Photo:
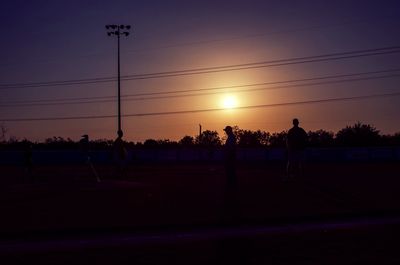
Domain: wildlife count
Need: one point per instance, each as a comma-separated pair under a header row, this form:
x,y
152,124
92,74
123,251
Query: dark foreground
x,y
175,214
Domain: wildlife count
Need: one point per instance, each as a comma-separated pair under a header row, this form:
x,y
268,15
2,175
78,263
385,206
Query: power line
x,y
168,95
266,88
311,59
216,69
225,87
207,89
205,42
306,102
255,35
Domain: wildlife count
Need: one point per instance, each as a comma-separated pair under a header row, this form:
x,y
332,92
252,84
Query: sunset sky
x,y
259,61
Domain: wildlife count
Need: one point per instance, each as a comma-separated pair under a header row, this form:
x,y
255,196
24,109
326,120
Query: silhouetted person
x,y
120,155
296,143
230,170
84,144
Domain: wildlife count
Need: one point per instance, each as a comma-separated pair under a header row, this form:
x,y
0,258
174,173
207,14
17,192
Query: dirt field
x,y
65,204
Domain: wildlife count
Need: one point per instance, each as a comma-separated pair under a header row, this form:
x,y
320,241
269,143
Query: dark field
x,y
174,214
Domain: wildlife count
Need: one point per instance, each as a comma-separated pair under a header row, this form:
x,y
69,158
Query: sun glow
x,y
229,102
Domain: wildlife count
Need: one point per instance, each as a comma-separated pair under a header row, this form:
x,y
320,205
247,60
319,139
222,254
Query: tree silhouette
x,y
390,140
320,138
3,132
150,143
208,138
60,143
166,143
187,141
395,139
252,138
278,139
358,135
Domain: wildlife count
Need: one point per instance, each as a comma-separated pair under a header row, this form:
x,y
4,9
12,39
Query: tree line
x,y
356,135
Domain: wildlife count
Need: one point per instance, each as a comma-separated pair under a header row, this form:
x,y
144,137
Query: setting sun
x,y
229,102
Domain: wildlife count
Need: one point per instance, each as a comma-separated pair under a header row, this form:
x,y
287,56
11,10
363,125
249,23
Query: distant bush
x,y
277,139
208,138
320,138
356,135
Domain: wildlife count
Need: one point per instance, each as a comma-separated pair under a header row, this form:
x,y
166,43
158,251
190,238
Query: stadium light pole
x,y
118,30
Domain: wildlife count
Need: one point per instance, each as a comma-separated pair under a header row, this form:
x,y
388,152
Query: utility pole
x,y
118,30
200,133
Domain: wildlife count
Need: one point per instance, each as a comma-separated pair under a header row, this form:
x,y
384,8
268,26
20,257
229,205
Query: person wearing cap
x,y
230,145
120,155
84,143
230,170
296,142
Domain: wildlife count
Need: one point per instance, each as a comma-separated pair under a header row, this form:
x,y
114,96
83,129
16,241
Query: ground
x,y
174,213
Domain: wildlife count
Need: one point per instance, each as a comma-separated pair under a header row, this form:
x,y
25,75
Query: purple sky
x,y
47,41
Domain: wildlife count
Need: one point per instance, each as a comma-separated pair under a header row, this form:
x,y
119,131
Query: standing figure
x,y
230,170
120,155
296,143
230,157
84,143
